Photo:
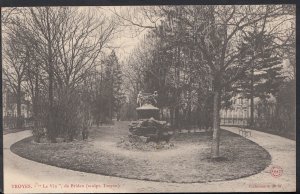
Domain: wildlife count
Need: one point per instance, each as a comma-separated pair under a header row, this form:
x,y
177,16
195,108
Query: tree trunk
x,y
111,104
172,116
199,108
177,120
19,104
118,114
50,89
199,118
176,117
101,109
162,114
50,96
189,116
35,102
252,99
216,125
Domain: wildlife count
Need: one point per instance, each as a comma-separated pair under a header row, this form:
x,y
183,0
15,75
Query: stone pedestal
x,y
148,111
151,129
148,126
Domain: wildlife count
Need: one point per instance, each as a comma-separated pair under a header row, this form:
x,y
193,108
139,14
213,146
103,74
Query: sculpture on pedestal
x,y
146,98
148,124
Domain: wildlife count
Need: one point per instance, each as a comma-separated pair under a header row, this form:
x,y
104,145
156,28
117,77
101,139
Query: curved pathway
x,y
26,176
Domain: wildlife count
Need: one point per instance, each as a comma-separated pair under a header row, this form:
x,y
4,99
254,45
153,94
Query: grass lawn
x,y
187,162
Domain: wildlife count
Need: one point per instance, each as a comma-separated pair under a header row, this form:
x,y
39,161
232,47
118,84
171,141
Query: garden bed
x,y
189,160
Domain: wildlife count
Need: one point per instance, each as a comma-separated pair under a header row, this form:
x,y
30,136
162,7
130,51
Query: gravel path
x,y
25,176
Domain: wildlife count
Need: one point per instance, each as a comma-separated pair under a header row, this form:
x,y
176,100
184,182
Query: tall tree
x,y
15,59
64,46
218,42
113,84
217,31
264,76
44,24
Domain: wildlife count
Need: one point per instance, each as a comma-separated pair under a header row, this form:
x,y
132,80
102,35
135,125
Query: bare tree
x,y
216,32
136,19
79,46
44,25
7,13
219,45
63,45
14,70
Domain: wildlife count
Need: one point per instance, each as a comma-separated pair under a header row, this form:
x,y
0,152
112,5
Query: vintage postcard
x,y
160,98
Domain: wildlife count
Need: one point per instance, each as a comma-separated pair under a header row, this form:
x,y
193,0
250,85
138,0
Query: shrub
x,y
38,133
280,116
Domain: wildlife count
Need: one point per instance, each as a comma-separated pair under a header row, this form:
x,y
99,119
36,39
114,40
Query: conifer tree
x,y
264,76
114,96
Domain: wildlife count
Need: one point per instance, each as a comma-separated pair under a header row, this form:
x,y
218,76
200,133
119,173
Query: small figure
x,y
147,98
155,96
139,99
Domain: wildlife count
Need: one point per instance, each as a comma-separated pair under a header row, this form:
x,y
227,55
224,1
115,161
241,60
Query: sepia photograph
x,y
160,98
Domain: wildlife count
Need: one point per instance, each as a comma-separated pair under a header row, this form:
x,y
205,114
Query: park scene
x,y
149,98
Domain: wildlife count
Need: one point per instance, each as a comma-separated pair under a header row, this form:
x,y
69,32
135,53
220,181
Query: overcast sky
x,y
126,39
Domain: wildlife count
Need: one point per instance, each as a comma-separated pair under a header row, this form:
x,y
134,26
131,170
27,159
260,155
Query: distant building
x,y
239,112
9,108
12,110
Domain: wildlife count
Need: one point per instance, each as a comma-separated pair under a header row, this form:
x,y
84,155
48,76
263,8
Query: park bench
x,y
244,132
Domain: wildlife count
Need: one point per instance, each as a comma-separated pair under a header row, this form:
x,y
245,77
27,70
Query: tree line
x,y
196,57
60,58
199,57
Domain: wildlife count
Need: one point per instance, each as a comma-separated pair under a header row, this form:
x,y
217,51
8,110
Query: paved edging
x,y
22,171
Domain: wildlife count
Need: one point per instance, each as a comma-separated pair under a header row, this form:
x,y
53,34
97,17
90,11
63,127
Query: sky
x,y
126,38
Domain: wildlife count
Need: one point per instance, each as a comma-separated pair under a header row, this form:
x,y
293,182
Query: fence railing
x,y
234,121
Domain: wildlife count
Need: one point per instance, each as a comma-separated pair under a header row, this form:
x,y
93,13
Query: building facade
x,y
9,109
238,114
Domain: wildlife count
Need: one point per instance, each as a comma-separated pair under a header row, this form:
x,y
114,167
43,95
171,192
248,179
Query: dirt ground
x,y
188,162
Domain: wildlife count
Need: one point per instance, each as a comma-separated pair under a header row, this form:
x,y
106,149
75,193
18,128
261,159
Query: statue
x,y
155,96
139,99
146,98
148,126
